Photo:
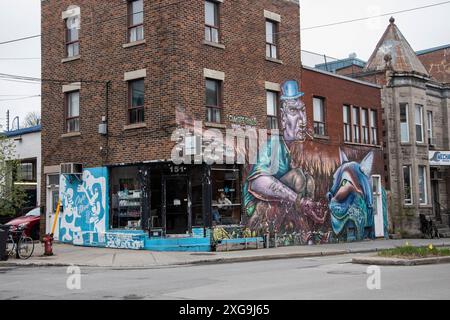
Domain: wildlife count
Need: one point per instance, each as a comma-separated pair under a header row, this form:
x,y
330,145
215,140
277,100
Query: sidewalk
x,y
66,255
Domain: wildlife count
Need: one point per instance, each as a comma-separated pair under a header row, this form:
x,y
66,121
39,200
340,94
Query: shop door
x,y
378,207
52,203
436,202
177,205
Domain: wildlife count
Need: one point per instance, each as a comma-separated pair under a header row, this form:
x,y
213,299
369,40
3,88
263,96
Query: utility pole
x,y
7,120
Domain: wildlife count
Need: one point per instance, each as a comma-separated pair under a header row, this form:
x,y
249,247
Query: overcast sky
x,y
424,29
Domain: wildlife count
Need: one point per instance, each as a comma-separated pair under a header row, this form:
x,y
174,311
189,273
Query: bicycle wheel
x,y
25,248
10,247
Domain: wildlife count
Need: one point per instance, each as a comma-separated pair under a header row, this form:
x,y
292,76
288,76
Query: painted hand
x,y
317,211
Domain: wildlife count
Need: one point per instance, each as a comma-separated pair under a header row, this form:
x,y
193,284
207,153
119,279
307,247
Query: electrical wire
x,y
23,98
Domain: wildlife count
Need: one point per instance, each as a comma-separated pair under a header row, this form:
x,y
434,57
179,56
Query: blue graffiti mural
x,y
84,216
351,199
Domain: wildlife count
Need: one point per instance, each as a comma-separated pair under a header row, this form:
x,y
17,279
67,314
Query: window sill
x,y
318,136
134,126
68,59
274,60
134,44
71,134
215,125
363,145
214,44
405,144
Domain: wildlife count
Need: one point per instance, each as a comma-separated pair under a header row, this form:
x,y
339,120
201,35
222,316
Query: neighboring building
x,y
416,124
344,67
120,92
437,62
27,143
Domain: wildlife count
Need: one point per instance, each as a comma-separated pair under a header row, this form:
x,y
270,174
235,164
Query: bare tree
x,y
31,119
12,197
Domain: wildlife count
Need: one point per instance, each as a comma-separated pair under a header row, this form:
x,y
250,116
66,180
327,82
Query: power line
x,y
7,59
377,16
20,39
23,98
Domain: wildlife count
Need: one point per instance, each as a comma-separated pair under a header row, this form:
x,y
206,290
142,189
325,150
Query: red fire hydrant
x,y
48,245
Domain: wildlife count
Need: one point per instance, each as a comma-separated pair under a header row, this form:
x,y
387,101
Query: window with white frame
x,y
365,126
347,124
373,127
430,128
404,122
419,123
422,174
407,183
356,128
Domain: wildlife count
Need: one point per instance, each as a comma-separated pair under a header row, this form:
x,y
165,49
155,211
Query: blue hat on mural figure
x,y
290,90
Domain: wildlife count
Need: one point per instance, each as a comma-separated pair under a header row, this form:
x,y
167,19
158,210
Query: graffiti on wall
x,y
85,206
306,193
124,241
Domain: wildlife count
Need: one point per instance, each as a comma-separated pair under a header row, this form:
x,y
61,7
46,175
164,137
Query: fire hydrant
x,y
48,245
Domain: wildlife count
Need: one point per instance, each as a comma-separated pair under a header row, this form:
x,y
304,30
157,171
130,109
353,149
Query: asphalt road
x,y
315,278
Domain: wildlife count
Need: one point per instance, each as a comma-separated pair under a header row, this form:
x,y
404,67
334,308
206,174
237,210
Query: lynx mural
x,y
304,192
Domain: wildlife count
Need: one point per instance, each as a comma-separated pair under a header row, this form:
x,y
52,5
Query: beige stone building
x,y
416,122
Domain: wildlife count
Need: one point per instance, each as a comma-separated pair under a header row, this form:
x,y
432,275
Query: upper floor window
x,y
136,101
72,40
271,39
356,128
419,123
212,21
430,128
272,109
365,125
27,171
73,111
319,116
404,122
135,20
373,127
213,100
347,124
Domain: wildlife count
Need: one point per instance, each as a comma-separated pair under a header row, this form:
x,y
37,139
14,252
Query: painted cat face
x,y
350,180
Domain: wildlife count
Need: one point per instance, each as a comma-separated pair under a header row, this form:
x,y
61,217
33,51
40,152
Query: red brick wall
x,y
174,56
437,64
337,93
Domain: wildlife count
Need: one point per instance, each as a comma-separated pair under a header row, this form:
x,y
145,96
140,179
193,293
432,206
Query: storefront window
x,y
226,195
126,200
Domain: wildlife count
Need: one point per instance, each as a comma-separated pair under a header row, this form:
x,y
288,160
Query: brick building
x,y
130,87
415,100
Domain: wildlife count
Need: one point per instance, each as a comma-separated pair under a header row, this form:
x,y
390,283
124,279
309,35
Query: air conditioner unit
x,y
72,169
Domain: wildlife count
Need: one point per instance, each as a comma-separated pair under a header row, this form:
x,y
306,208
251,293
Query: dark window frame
x,y
209,28
130,107
66,111
273,44
70,43
318,125
365,129
219,106
130,26
271,120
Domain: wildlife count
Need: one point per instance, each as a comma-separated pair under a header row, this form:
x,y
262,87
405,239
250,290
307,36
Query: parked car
x,y
30,222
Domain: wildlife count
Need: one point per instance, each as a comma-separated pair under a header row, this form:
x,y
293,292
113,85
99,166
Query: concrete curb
x,y
380,261
221,260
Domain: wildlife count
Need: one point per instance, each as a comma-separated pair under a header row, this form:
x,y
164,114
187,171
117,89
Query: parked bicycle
x,y
428,228
19,245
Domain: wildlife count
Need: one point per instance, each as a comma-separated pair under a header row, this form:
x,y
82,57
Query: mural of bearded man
x,y
279,197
